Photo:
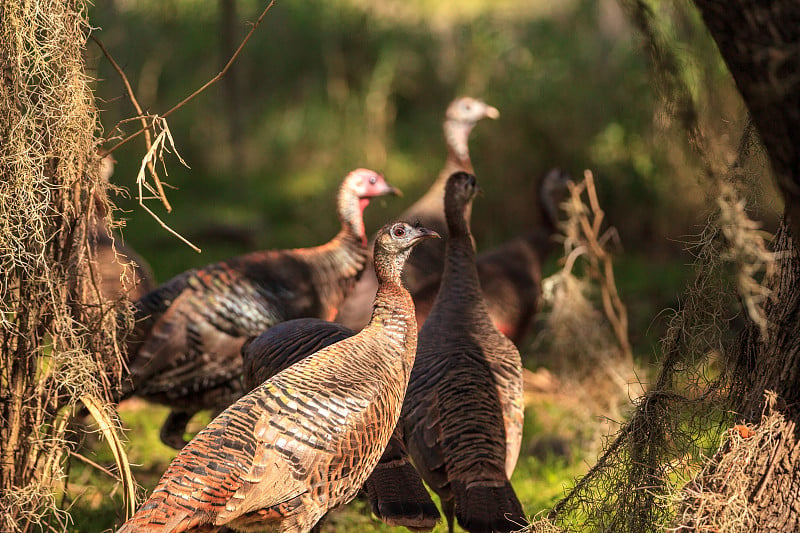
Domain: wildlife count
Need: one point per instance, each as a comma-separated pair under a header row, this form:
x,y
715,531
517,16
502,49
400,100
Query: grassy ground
x,y
551,458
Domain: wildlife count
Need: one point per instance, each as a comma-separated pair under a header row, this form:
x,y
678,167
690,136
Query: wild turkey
x,y
120,271
511,274
395,490
305,440
185,351
463,414
461,116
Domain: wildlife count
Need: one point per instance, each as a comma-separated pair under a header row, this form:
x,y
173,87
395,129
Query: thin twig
x,y
572,257
94,465
208,84
147,135
588,239
155,151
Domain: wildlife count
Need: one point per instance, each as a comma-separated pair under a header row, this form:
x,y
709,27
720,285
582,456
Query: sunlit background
x,y
327,86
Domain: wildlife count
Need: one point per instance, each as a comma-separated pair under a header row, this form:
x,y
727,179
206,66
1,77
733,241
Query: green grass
x,y
97,505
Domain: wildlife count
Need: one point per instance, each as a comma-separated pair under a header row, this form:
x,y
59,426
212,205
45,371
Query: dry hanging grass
x,y
631,488
725,496
674,424
747,250
58,337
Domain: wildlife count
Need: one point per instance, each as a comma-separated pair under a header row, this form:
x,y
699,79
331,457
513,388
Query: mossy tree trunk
x,y
760,42
57,336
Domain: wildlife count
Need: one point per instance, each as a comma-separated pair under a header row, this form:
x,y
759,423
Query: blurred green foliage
x,y
324,87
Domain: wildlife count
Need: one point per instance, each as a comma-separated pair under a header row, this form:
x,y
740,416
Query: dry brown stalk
x,y
586,238
147,134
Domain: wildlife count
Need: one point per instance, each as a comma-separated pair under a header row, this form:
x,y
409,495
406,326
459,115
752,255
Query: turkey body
x,y
463,410
510,275
305,440
185,349
121,272
395,490
461,116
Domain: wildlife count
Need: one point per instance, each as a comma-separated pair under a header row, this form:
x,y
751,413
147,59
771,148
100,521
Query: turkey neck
x,y
393,315
456,135
460,275
350,209
340,261
349,247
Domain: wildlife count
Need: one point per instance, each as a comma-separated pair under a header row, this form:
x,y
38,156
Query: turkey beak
x,y
492,112
425,233
387,189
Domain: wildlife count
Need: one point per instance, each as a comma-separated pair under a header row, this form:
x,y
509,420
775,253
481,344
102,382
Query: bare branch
x,y
208,84
147,135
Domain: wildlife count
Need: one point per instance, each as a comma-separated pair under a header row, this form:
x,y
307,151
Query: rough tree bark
x,y
760,42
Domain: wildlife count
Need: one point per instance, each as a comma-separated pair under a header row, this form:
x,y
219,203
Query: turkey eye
x,y
373,180
399,231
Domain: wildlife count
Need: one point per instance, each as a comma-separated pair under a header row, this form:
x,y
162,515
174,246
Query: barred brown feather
x,y
185,350
305,440
395,490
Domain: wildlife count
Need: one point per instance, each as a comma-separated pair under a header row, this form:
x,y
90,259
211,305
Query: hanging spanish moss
x,y
58,337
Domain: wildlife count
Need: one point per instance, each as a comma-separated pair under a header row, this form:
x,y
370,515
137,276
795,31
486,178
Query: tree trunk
x,y
759,43
56,333
772,364
753,482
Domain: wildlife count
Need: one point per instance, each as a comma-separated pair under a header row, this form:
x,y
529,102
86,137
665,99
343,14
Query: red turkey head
x,y
367,184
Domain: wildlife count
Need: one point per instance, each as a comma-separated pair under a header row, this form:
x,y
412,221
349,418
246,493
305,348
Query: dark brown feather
x,y
462,414
185,350
510,275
